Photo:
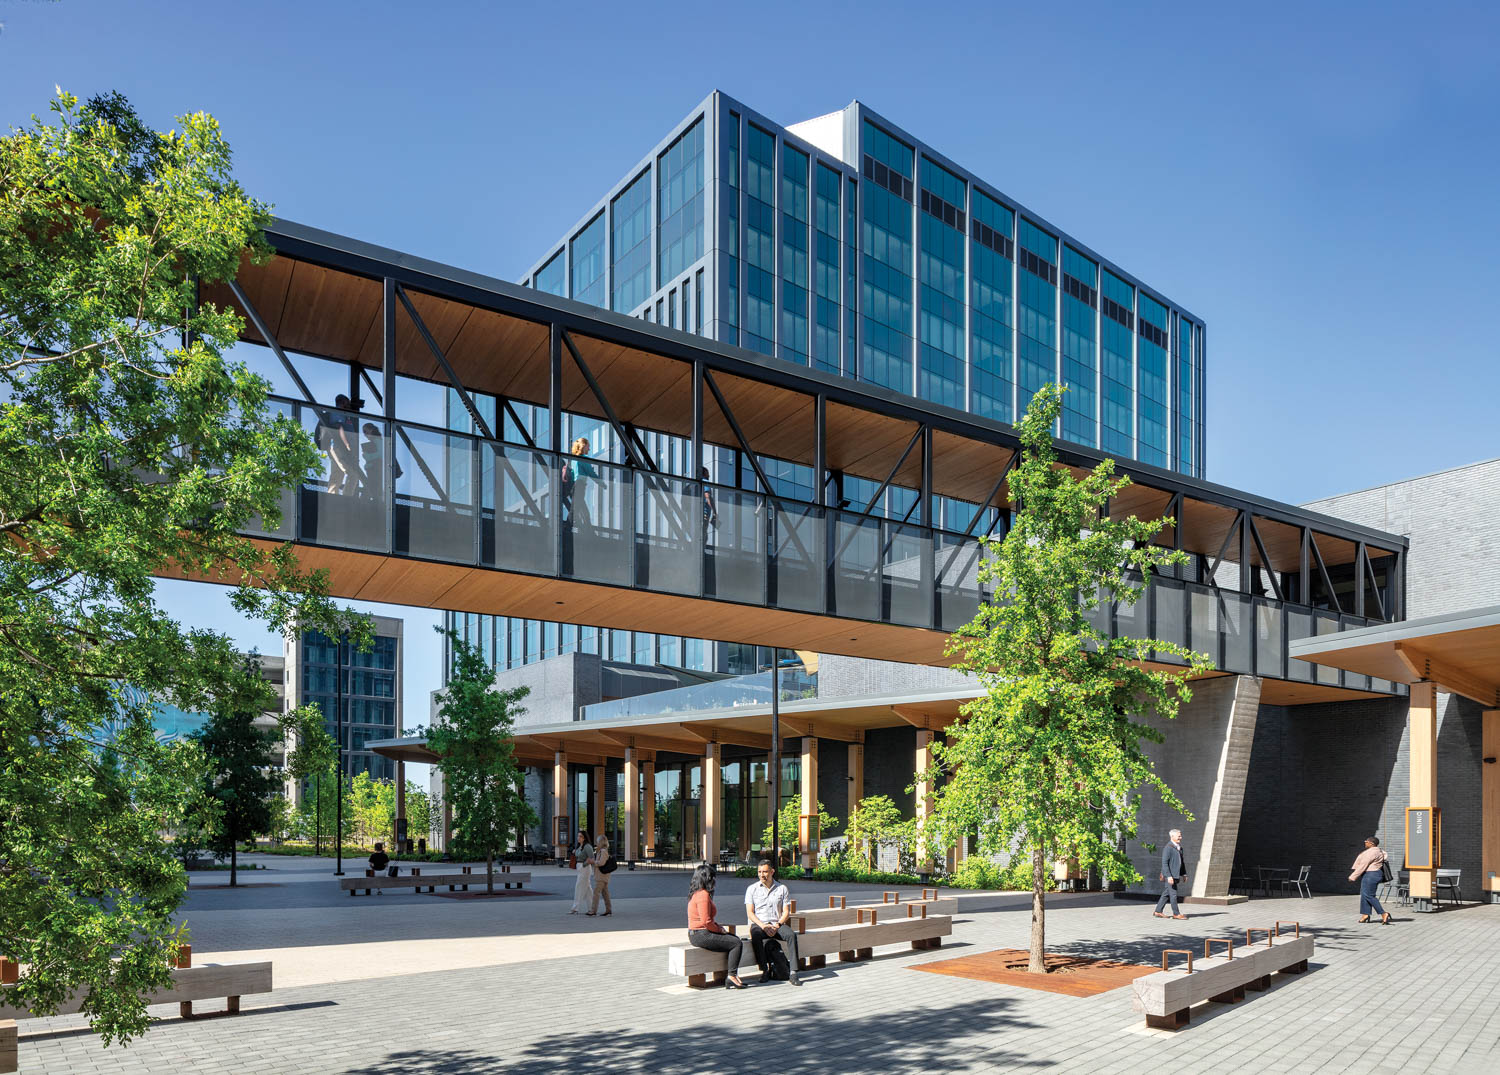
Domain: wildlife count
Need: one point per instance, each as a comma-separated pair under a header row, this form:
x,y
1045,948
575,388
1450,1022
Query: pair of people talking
x,y
768,906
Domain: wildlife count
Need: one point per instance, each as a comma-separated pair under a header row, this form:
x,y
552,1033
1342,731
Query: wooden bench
x,y
189,983
1167,996
814,946
416,879
846,915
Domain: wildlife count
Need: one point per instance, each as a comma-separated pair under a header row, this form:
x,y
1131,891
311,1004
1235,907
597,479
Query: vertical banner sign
x,y
1419,838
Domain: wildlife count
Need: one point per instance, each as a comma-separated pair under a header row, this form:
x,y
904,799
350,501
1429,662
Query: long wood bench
x,y
851,915
1167,996
418,880
849,942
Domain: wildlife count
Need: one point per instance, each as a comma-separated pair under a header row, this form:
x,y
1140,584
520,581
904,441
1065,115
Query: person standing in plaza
x,y
583,851
768,905
603,865
705,932
1173,874
1369,872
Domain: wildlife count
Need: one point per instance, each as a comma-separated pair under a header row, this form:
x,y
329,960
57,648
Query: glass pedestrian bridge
x,y
511,524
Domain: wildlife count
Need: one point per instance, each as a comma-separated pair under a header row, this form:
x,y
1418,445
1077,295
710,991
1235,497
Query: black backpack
x,y
778,967
610,865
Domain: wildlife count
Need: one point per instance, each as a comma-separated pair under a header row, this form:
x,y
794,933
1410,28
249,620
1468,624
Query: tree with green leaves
x,y
472,736
875,820
129,448
1050,758
312,759
240,778
422,809
371,805
791,832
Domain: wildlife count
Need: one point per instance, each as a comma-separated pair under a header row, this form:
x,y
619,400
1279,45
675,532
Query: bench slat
x,y
189,983
686,960
1164,992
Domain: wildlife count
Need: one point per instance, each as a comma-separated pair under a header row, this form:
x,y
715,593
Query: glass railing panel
x,y
857,563
598,533
1203,621
734,547
794,684
668,520
1236,625
1270,640
259,526
1171,615
957,564
343,502
1299,624
1328,624
906,574
796,565
1134,621
1101,615
519,528
436,476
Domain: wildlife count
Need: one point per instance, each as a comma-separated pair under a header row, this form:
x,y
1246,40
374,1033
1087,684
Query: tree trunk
x,y
234,860
1038,962
317,819
490,871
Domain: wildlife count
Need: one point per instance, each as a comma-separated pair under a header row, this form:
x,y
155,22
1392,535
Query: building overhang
x,y
1460,652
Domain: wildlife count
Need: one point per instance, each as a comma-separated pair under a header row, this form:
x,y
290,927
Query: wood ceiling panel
x,y
502,355
266,288
967,469
1286,692
1205,526
1283,544
443,318
1334,550
328,313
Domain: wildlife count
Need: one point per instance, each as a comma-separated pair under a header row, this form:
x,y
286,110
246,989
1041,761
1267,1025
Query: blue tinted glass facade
x,y
553,276
1080,338
588,263
942,224
886,242
850,246
679,204
795,240
992,374
630,236
1151,386
1117,367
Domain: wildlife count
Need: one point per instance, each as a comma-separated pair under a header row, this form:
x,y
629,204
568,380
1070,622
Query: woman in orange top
x,y
704,932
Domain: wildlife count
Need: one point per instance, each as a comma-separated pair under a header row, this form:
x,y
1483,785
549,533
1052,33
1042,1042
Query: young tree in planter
x,y
791,815
313,758
129,447
874,820
473,738
239,777
1050,758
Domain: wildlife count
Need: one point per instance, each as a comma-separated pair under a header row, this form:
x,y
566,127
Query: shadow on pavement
x,y
829,1041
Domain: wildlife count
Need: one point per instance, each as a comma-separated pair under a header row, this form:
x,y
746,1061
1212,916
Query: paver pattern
x,y
410,984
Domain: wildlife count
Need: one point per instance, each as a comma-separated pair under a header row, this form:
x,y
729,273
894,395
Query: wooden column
x,y
810,794
596,807
960,849
648,808
711,796
400,802
632,848
856,775
560,805
1489,781
924,787
1422,723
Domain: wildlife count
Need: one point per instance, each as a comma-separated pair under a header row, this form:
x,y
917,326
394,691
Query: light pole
x,y
338,834
775,760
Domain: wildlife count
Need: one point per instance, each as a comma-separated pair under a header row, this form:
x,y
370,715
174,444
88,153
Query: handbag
x,y
394,871
610,865
1385,871
572,862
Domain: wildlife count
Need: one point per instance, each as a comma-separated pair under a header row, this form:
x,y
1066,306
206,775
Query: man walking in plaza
x,y
1173,874
768,905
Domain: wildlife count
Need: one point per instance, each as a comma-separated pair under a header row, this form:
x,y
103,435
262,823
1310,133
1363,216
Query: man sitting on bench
x,y
379,860
768,905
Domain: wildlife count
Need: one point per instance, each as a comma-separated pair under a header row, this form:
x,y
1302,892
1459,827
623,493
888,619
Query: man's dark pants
x,y
784,934
1168,891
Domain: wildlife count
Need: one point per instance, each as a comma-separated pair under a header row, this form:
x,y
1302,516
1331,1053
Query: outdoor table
x,y
1270,875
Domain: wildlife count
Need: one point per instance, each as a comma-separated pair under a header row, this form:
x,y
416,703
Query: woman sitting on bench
x,y
704,932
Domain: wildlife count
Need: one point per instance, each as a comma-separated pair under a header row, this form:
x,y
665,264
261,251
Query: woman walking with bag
x,y
604,865
583,851
1369,871
705,932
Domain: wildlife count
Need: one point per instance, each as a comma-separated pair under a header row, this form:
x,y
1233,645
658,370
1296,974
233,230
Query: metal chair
x,y
1449,881
1299,883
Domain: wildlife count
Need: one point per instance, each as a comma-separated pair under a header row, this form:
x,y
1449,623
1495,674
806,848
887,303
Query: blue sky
x,y
1316,181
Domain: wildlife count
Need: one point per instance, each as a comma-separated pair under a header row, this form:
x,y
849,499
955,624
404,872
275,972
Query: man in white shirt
x,y
768,905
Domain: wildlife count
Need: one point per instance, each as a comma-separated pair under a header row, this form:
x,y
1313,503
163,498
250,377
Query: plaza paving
x,y
409,983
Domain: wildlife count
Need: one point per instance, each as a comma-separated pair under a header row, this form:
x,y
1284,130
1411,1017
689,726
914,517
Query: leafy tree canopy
x,y
1050,757
129,447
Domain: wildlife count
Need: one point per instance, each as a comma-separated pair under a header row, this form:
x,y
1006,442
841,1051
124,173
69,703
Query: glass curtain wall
x,y
1079,338
588,262
886,242
825,353
630,234
794,249
1117,372
1151,389
992,360
679,205
1187,419
553,276
760,241
1037,361
943,222
729,311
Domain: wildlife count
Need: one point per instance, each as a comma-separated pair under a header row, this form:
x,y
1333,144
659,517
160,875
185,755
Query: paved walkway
x,y
416,984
